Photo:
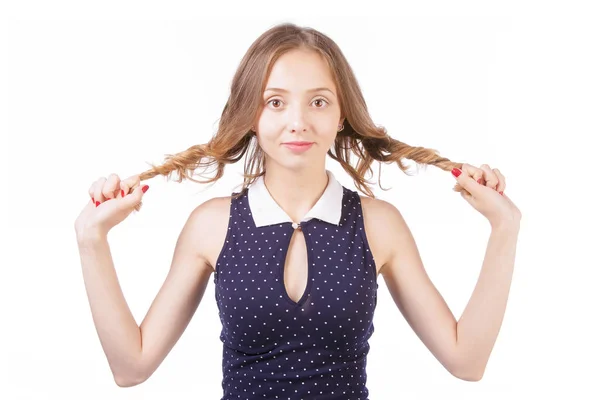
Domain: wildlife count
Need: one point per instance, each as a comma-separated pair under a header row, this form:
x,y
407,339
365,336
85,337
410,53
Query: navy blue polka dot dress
x,y
274,347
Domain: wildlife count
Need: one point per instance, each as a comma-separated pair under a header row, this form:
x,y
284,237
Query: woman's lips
x,y
298,147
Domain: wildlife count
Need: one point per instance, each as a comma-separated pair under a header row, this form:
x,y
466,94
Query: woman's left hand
x,y
483,189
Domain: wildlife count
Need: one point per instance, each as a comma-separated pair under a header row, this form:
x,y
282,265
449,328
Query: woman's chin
x,y
296,163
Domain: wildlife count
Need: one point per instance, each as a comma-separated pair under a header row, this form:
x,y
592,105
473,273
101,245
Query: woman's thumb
x,y
134,198
465,181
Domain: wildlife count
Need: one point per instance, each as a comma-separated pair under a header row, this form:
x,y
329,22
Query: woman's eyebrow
x,y
308,91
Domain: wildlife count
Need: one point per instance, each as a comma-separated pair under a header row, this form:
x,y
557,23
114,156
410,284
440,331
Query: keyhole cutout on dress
x,y
295,270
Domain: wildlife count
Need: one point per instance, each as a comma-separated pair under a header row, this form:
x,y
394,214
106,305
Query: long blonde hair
x,y
235,139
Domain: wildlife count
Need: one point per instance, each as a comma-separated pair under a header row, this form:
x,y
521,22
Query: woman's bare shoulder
x,y
210,221
378,206
378,216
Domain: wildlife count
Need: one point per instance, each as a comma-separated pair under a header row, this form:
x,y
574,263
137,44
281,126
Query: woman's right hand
x,y
111,201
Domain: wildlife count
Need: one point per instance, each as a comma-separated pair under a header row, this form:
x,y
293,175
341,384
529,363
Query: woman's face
x,y
300,104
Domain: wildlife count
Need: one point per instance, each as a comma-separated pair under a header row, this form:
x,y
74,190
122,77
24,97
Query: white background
x,y
100,87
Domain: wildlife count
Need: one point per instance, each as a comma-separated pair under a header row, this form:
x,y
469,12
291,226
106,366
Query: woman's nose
x,y
297,119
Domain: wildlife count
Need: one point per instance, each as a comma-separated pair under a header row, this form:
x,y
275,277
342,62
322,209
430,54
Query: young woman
x,y
296,255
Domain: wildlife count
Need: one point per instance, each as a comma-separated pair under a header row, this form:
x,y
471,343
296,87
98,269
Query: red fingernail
x,y
479,180
97,203
122,193
456,172
145,188
502,193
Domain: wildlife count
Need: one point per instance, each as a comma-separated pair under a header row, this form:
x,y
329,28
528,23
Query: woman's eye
x,y
322,101
271,101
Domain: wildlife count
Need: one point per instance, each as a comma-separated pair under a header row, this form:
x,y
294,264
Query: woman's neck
x,y
296,191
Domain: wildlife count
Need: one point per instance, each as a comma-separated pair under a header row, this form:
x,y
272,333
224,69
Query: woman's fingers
x,y
111,186
127,185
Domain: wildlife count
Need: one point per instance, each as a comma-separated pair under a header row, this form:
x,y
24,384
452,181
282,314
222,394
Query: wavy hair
x,y
234,138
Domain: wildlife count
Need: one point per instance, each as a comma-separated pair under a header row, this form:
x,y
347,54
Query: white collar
x,y
265,211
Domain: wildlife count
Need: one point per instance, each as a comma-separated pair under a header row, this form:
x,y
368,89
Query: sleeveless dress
x,y
274,347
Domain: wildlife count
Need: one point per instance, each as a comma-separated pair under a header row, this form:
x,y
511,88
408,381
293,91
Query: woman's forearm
x,y
480,323
118,331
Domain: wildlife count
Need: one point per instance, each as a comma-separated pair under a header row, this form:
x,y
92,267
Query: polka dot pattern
x,y
276,348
